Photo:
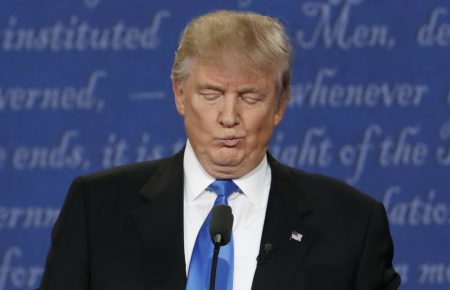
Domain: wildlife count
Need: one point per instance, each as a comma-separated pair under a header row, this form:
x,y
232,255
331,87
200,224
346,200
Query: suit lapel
x,y
285,210
160,223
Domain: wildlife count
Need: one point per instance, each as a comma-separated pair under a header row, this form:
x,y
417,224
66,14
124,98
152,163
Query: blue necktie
x,y
200,266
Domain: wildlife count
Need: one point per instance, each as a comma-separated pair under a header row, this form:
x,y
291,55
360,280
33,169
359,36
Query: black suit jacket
x,y
123,229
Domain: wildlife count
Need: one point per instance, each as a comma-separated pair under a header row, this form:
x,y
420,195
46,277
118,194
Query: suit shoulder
x,y
133,171
320,187
126,178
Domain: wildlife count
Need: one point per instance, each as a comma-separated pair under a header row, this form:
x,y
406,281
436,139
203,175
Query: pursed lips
x,y
230,140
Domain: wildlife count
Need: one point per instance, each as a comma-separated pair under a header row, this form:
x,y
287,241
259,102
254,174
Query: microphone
x,y
264,256
220,231
221,224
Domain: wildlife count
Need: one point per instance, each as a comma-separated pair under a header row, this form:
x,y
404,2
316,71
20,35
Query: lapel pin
x,y
296,236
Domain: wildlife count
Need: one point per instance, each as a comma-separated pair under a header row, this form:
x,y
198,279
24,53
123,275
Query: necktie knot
x,y
223,188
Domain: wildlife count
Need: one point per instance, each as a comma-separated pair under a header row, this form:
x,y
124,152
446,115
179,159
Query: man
x,y
138,226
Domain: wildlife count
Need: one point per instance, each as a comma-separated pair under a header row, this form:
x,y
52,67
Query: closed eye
x,y
251,98
210,96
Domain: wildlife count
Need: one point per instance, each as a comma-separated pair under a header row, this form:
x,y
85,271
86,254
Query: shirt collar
x,y
253,184
256,183
196,179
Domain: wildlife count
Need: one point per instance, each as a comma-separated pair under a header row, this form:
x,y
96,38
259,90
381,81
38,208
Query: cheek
x,y
192,110
200,118
261,127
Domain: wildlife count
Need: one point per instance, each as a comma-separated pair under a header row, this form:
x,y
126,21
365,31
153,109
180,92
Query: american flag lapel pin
x,y
296,236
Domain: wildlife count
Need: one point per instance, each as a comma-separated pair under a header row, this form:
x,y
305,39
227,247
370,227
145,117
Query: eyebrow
x,y
250,89
255,90
210,87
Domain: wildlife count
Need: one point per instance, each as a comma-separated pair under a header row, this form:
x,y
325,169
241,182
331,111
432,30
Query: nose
x,y
229,116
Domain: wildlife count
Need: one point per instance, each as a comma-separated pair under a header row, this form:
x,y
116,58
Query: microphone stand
x,y
212,283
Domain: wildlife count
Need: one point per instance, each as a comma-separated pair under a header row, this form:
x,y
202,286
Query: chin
x,y
228,158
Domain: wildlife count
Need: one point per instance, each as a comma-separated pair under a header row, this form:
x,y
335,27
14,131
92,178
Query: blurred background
x,y
84,86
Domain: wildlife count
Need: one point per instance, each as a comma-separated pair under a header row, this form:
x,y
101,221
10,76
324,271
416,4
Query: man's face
x,y
229,111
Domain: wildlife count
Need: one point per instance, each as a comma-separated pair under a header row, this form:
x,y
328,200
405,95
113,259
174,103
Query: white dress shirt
x,y
249,209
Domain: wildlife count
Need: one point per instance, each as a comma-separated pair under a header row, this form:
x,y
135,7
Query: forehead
x,y
231,71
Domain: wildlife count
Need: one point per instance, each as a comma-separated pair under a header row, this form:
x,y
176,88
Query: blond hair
x,y
259,39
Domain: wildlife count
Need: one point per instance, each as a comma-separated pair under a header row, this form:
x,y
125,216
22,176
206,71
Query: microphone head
x,y
221,224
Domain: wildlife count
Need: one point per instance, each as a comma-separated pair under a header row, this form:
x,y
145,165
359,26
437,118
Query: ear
x,y
279,113
178,92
